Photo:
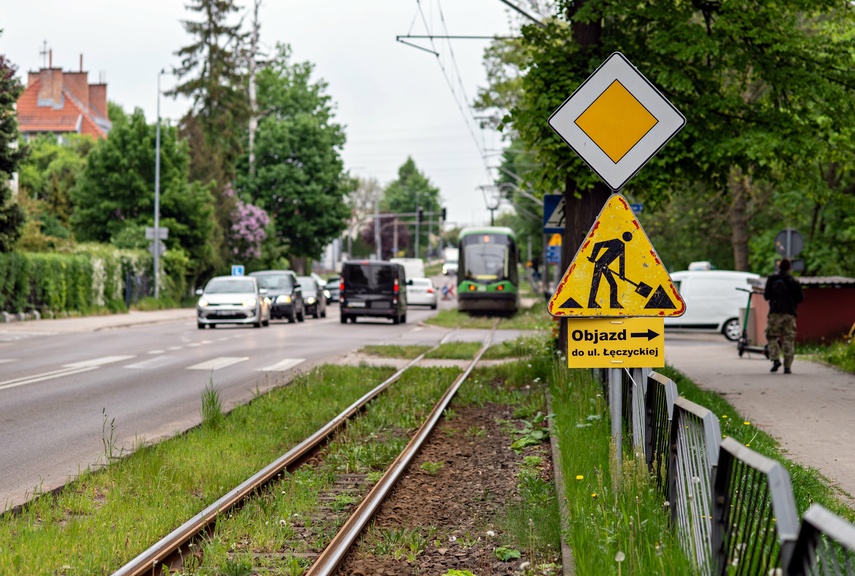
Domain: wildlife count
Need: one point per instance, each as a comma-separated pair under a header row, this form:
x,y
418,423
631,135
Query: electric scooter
x,y
742,344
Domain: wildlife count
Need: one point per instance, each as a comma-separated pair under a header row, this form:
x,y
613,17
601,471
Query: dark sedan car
x,y
285,294
313,297
333,285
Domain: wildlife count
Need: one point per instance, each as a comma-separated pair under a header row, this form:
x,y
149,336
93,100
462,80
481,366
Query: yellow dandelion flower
x,y
724,417
594,495
580,477
747,423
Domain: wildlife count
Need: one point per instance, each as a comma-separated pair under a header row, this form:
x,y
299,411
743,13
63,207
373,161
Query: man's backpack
x,y
781,292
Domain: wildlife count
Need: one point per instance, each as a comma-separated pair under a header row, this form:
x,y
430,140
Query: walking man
x,y
784,294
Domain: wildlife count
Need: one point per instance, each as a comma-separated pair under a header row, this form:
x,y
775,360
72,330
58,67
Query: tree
x,y
755,93
11,214
116,192
213,77
300,179
51,171
409,192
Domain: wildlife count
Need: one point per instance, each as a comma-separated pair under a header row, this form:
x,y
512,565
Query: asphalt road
x,y
69,386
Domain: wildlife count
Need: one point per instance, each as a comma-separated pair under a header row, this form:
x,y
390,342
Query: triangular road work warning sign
x,y
616,272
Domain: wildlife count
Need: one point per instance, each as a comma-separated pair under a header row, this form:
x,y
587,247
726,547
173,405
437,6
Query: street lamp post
x,y
156,250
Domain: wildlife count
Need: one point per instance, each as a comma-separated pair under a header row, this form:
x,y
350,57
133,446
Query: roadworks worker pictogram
x,y
618,251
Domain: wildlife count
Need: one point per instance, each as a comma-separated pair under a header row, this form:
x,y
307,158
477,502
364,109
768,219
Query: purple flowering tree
x,y
248,230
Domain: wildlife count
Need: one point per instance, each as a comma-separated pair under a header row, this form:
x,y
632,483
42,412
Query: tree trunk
x,y
740,186
581,212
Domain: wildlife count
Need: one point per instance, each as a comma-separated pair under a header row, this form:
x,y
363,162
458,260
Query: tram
x,y
487,272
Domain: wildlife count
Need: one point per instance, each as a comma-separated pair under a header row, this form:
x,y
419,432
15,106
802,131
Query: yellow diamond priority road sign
x,y
616,121
616,272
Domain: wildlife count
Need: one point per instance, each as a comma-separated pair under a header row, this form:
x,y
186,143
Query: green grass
x,y
105,518
389,351
840,354
533,318
617,522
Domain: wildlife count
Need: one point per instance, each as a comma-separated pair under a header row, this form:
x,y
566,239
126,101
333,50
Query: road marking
x,y
155,362
155,351
98,361
193,345
217,363
174,348
6,360
66,370
284,365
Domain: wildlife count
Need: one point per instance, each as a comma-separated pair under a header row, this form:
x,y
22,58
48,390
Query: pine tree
x,y
213,76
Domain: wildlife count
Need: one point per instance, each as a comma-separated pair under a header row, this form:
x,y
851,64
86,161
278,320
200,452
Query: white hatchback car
x,y
232,300
421,292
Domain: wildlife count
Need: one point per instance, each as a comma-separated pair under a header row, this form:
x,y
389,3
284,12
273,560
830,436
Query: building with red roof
x,y
61,102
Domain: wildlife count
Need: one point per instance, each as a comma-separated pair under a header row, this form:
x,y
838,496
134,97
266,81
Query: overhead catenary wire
x,y
458,91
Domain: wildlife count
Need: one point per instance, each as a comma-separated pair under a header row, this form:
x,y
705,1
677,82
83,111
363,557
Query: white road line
x,y
66,370
6,360
155,351
286,364
193,345
174,348
218,363
155,362
98,361
46,376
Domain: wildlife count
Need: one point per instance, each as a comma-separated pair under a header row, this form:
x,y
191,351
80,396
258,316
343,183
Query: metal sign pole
x,y
615,404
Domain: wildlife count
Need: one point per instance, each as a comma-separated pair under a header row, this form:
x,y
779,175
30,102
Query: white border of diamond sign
x,y
669,120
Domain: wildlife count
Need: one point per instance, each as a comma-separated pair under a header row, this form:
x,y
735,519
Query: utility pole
x,y
377,228
156,250
253,101
395,237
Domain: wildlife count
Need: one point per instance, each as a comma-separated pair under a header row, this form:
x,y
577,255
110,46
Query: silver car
x,y
232,300
421,292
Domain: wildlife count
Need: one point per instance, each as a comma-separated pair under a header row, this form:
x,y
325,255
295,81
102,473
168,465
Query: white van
x,y
712,300
414,267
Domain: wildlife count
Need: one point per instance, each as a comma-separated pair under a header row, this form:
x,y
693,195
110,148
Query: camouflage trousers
x,y
783,327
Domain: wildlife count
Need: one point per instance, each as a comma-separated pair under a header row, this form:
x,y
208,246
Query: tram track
x,y
171,550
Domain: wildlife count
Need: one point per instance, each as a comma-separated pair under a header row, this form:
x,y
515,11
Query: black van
x,y
373,288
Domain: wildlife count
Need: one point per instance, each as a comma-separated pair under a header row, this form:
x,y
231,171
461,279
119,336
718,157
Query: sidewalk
x,y
92,323
811,412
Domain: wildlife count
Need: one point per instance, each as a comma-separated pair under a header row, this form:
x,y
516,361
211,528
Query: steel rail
x,y
147,562
328,560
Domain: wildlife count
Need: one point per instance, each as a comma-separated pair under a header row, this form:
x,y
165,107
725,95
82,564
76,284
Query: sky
x,y
393,99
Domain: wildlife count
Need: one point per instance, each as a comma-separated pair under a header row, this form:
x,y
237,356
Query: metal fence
x,y
733,508
694,442
825,546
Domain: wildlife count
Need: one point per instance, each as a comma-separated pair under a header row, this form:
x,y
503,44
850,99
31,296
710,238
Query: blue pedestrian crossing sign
x,y
237,269
553,213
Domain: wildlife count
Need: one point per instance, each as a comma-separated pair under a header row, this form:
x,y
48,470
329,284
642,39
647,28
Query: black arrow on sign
x,y
650,334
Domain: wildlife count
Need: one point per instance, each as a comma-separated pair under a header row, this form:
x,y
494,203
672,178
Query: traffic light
x,y
421,214
443,214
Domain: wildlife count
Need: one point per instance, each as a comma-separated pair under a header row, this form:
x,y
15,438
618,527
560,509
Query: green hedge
x,y
91,278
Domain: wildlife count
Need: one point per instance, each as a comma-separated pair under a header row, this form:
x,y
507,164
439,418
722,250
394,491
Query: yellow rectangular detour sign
x,y
615,342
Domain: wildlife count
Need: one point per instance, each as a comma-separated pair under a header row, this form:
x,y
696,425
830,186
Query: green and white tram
x,y
487,272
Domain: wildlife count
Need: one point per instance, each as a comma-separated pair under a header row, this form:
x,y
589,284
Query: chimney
x,y
50,87
98,99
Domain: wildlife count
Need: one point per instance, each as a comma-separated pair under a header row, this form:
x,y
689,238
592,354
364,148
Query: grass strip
x,y
105,518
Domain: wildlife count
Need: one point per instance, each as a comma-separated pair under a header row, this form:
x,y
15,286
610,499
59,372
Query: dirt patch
x,y
452,496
